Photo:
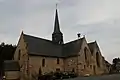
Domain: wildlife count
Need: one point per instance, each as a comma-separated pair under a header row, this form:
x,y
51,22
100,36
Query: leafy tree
x,y
6,53
116,65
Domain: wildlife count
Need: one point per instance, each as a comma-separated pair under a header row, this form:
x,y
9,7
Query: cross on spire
x,y
57,35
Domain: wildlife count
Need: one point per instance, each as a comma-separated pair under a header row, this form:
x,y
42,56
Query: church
x,y
34,54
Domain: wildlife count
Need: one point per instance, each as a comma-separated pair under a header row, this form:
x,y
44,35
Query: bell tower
x,y
57,36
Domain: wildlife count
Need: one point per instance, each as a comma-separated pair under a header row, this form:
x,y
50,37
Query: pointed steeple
x,y
57,36
56,24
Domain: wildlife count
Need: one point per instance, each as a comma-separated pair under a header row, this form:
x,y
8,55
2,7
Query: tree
x,y
116,65
6,53
2,44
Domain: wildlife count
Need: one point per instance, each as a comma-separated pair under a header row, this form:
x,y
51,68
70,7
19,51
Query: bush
x,y
57,75
64,75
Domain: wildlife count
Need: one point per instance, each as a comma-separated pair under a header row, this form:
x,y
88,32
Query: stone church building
x,y
34,54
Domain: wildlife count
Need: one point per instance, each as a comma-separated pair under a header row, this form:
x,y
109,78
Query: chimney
x,y
79,35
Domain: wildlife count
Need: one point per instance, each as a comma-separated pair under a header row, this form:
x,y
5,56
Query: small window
x,y
58,60
97,59
84,66
85,53
73,70
26,45
92,52
57,69
19,52
43,62
79,63
91,66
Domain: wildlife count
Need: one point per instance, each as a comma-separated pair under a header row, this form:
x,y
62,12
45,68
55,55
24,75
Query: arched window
x,y
84,66
85,52
58,60
19,53
43,62
92,52
97,59
73,70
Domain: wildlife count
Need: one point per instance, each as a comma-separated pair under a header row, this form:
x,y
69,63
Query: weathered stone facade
x,y
50,64
86,62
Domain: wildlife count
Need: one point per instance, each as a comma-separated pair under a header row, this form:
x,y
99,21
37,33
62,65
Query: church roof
x,y
43,47
93,45
10,65
72,48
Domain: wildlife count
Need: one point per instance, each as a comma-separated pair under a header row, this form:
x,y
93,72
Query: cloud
x,y
97,19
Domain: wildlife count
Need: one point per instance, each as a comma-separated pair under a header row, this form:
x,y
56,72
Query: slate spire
x,y
57,36
56,24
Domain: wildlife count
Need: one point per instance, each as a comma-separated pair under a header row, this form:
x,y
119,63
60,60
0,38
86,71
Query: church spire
x,y
56,24
57,36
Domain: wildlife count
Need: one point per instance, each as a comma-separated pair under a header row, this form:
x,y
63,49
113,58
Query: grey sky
x,y
97,19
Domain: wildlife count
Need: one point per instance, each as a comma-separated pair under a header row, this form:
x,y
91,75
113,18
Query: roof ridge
x,y
91,42
73,41
37,37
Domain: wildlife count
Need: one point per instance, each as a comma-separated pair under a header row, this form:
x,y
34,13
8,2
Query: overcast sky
x,y
97,19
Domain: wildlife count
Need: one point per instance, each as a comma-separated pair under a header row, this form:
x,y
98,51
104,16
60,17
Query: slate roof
x,y
10,65
56,25
43,47
91,46
72,48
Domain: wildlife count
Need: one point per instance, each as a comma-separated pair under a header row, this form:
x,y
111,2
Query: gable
x,y
20,46
94,47
85,53
91,46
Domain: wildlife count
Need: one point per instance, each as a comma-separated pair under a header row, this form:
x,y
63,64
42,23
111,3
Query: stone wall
x,y
100,69
70,64
12,75
85,63
22,47
35,63
21,55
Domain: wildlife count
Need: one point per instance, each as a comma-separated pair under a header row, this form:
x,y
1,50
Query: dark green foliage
x,y
116,60
57,76
6,53
115,68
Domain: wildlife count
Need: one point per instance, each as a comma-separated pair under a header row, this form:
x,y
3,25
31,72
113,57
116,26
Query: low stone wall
x,y
12,75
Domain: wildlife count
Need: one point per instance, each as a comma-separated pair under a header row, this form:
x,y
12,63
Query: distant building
x,y
11,70
34,53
